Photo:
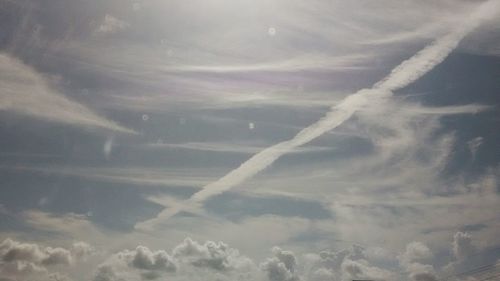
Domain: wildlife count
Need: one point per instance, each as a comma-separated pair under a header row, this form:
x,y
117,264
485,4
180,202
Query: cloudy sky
x,y
258,140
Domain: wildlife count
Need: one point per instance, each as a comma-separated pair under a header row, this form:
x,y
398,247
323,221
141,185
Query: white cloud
x,y
404,74
417,262
25,91
415,252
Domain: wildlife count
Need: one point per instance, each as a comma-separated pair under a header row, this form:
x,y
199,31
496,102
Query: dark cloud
x,y
424,277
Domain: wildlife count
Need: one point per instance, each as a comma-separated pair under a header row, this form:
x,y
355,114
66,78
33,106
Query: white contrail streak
x,y
401,76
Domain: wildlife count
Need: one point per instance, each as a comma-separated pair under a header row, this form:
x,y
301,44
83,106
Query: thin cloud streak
x,y
404,74
140,176
26,92
307,63
229,147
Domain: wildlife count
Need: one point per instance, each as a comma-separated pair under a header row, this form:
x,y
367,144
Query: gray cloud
x,y
217,256
415,252
281,267
82,250
187,258
12,251
462,245
416,261
111,24
424,276
30,261
105,273
474,145
143,258
207,261
362,269
344,264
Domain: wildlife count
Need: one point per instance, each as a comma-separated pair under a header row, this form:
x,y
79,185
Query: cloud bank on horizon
x,y
192,260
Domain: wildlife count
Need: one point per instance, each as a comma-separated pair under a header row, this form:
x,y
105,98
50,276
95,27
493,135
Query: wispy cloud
x,y
401,76
26,92
141,176
229,147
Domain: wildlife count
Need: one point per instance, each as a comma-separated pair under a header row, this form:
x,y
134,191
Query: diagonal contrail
x,y
401,76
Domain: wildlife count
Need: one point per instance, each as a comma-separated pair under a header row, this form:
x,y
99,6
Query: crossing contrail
x,y
401,76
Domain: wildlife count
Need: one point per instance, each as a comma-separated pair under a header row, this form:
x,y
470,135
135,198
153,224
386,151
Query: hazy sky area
x,y
249,140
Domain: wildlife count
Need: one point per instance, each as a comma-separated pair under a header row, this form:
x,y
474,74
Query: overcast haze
x,y
259,140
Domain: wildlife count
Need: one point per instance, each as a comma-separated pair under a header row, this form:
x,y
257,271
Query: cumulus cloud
x,y
82,250
105,273
416,252
344,264
30,261
144,258
138,263
416,261
214,255
187,258
361,269
281,267
210,261
12,251
462,245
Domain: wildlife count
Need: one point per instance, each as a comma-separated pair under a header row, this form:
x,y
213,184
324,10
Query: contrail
x,y
401,76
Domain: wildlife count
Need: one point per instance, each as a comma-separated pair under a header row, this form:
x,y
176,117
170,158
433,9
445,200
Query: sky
x,y
256,140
